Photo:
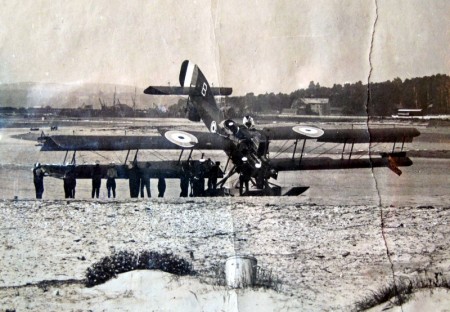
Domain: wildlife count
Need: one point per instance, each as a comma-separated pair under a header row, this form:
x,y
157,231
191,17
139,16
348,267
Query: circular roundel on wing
x,y
213,127
308,131
181,138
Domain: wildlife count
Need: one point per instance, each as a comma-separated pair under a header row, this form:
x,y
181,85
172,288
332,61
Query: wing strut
x,y
343,150
295,148
126,158
301,155
226,166
189,157
225,178
181,154
65,157
135,157
73,158
351,150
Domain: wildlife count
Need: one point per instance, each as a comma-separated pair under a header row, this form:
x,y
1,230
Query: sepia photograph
x,y
225,155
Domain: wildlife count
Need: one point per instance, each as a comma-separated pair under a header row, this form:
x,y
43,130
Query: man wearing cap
x,y
145,180
70,182
38,179
244,175
213,175
198,178
185,179
111,175
134,179
96,180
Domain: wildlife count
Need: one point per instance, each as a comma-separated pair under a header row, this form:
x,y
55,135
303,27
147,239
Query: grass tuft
x,y
125,261
401,292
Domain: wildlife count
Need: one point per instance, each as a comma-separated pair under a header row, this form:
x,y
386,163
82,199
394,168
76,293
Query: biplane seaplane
x,y
246,146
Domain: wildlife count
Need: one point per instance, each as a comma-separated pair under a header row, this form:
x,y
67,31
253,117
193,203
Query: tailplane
x,y
201,104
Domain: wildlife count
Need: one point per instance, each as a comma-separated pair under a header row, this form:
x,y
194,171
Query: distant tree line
x,y
432,94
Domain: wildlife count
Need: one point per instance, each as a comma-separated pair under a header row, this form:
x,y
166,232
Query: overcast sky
x,y
252,46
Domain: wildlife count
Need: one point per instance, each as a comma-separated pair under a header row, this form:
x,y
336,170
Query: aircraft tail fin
x,y
202,104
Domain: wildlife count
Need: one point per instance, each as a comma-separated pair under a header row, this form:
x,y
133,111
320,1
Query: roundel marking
x,y
213,127
308,131
181,138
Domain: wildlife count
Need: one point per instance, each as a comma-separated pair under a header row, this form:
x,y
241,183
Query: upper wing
x,y
344,135
207,141
104,143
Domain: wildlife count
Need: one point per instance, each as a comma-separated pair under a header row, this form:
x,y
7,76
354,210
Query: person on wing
x,y
38,179
245,175
111,175
70,182
161,187
96,180
145,180
248,122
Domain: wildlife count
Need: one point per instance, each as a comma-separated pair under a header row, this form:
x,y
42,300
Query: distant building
x,y
310,106
410,112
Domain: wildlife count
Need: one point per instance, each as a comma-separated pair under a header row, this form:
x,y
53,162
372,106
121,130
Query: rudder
x,y
201,95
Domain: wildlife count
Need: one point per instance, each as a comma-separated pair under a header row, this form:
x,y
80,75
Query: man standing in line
x,y
245,175
111,176
38,179
70,182
213,175
96,179
145,180
161,187
134,179
185,179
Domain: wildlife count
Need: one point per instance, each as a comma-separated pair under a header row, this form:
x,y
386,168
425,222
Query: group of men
x,y
111,175
69,178
139,181
194,174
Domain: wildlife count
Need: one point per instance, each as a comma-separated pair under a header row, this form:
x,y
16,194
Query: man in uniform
x,y
145,180
134,179
185,179
38,179
161,187
111,175
96,180
70,182
245,175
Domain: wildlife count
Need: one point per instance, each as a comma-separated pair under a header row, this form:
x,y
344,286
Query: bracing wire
x,y
284,150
